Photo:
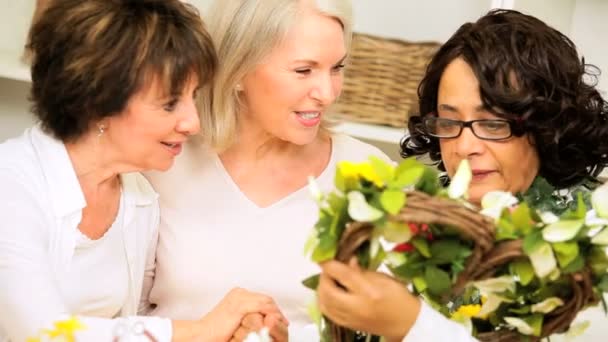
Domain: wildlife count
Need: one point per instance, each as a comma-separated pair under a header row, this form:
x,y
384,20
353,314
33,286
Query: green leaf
x,y
407,173
523,269
524,310
420,284
565,252
429,182
563,230
532,241
505,230
529,325
598,260
397,232
437,280
422,245
603,284
392,201
311,282
383,169
522,218
447,251
576,265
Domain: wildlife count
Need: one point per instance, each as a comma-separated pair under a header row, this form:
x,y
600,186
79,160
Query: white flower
x,y
494,202
360,210
600,238
459,184
496,285
599,201
492,303
547,305
314,189
520,325
262,336
548,217
562,230
543,260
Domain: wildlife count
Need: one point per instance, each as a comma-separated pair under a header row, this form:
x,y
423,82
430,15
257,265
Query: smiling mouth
x,y
172,145
308,115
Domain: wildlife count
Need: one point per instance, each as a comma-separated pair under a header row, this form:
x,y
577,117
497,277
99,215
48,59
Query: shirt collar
x,y
64,188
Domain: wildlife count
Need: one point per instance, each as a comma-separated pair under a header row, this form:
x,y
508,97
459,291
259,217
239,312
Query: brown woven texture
x,y
381,80
488,255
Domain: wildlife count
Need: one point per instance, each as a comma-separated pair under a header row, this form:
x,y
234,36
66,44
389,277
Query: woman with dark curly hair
x,y
511,95
522,91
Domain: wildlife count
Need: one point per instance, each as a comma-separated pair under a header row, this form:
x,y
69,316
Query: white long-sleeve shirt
x,y
41,204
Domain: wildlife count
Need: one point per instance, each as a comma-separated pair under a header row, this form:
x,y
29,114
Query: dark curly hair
x,y
530,73
89,57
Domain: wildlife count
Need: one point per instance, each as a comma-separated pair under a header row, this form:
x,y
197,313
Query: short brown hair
x,y
89,57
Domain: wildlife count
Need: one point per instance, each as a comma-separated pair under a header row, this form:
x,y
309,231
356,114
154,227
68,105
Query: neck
x,y
261,145
94,162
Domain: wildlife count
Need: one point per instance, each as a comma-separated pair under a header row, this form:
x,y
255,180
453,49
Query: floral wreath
x,y
518,268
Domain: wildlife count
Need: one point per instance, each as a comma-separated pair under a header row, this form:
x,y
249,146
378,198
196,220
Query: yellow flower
x,y
348,169
366,172
66,329
470,310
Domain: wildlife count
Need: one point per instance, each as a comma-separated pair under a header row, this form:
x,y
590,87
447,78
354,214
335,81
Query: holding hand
x,y
254,322
224,320
366,301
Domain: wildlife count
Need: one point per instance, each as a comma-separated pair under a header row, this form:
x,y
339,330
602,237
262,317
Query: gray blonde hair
x,y
244,33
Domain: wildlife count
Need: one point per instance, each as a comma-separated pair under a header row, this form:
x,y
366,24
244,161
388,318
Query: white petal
x,y
491,304
591,219
577,329
262,336
599,201
314,189
562,230
360,210
500,199
601,238
459,184
547,305
520,325
495,285
543,260
548,217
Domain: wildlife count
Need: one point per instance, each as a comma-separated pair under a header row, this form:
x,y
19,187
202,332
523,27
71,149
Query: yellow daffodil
x,y
66,329
366,172
470,310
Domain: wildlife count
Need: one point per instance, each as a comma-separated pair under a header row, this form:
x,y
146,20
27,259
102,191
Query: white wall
x,y
590,33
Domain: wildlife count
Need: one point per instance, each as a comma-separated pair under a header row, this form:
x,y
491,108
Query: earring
x,y
101,129
238,87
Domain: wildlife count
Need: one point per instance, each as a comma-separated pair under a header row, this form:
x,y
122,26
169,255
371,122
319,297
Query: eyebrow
x,y
450,108
315,63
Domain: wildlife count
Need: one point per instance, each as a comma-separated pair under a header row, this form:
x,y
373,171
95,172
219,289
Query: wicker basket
x,y
381,81
486,258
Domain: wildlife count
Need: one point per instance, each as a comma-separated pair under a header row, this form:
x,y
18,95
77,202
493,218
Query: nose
x,y
189,123
326,89
467,144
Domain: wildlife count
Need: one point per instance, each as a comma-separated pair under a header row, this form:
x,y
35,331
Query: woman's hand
x,y
254,322
367,301
222,322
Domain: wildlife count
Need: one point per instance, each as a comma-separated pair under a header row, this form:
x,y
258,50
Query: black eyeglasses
x,y
496,129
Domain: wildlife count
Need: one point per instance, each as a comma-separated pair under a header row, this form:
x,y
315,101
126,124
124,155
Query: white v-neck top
x,y
213,238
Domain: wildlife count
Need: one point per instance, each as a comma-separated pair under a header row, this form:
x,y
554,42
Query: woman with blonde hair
x,y
112,88
236,206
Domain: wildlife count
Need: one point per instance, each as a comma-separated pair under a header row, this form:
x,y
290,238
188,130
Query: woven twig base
x,y
487,257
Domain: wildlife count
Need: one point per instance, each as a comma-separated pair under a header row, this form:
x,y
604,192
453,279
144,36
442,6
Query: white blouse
x,y
41,205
